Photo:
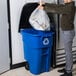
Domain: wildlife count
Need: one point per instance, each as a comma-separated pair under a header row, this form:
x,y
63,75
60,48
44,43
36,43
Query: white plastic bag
x,y
39,20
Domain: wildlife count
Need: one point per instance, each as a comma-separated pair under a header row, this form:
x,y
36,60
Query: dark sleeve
x,y
57,8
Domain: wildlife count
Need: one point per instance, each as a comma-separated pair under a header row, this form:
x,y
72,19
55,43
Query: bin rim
x,y
38,32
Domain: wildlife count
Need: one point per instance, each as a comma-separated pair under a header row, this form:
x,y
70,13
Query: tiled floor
x,y
22,72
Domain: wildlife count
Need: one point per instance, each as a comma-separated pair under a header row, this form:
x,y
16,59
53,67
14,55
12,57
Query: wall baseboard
x,y
23,65
18,65
61,65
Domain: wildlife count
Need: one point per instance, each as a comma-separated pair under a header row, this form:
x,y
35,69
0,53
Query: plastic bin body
x,y
40,61
37,49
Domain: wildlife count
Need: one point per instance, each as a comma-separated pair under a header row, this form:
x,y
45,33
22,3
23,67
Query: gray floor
x,y
22,72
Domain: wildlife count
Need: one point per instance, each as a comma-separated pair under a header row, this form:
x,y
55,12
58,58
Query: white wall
x,y
4,42
17,46
74,43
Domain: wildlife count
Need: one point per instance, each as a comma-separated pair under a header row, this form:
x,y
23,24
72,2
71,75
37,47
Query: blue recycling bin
x,y
37,49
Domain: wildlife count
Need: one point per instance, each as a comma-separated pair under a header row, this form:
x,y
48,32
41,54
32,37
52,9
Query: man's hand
x,y
67,1
70,0
40,7
41,3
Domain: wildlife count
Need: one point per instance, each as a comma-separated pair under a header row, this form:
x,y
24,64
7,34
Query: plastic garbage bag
x,y
39,20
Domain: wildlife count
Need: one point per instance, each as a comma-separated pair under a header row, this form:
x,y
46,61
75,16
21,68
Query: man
x,y
67,25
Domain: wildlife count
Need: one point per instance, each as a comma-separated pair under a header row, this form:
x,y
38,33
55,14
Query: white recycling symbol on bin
x,y
46,41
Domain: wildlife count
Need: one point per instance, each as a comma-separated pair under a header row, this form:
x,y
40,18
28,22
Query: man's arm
x,y
57,8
